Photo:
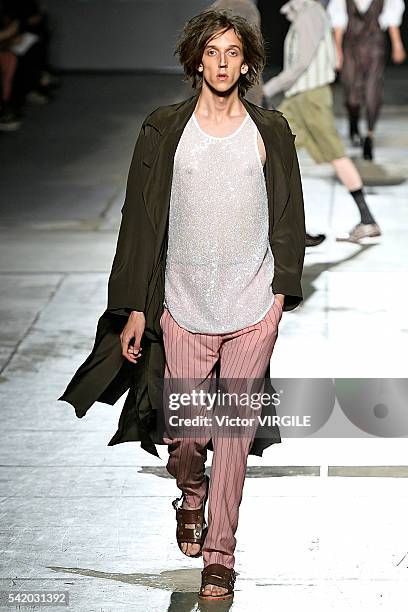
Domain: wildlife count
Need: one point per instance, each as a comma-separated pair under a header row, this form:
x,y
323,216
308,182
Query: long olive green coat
x,y
136,281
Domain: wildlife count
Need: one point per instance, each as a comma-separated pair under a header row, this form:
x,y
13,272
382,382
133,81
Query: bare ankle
x,y
187,506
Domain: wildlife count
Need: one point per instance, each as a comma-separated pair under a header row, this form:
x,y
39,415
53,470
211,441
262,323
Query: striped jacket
x,y
321,70
309,50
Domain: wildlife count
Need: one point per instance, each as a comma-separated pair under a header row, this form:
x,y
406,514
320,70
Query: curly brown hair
x,y
201,28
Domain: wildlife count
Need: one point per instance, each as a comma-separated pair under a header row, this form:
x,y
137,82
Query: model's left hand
x,y
398,54
280,297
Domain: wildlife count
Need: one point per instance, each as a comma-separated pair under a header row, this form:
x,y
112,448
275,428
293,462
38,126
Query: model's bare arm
x,y
10,31
338,37
398,51
134,329
311,30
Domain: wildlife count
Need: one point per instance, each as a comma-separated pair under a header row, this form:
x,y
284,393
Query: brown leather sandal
x,y
218,575
197,530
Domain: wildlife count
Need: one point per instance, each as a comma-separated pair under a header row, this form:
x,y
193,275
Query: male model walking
x,y
359,27
210,251
309,68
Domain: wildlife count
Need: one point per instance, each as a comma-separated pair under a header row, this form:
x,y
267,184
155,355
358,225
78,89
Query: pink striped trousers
x,y
244,354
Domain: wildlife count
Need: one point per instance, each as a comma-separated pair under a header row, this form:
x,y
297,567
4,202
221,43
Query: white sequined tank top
x,y
219,266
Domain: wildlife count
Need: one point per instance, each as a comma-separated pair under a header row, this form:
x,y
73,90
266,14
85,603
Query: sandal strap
x,y
196,519
219,575
196,532
176,503
185,515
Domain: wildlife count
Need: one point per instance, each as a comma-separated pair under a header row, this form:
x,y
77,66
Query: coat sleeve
x,y
134,257
288,239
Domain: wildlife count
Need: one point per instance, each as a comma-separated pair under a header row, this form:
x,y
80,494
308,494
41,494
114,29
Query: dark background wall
x,y
274,29
140,34
118,34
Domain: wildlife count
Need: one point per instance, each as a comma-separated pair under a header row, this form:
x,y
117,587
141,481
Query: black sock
x,y
354,117
359,198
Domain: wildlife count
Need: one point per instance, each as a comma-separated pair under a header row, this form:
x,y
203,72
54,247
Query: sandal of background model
x,y
218,575
195,534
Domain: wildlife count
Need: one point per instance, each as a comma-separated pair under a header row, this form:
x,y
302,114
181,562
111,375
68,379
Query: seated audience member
x,y
9,28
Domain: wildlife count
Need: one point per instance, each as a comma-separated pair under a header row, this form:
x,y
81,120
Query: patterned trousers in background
x,y
362,77
243,355
362,74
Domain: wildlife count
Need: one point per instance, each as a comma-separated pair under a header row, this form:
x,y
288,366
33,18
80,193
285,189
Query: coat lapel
x,y
157,189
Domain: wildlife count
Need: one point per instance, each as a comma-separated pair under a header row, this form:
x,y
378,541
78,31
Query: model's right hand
x,y
134,328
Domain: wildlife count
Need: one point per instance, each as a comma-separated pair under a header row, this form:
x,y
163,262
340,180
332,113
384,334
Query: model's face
x,y
223,61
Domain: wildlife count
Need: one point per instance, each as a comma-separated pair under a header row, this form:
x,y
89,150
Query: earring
x,y
244,69
200,68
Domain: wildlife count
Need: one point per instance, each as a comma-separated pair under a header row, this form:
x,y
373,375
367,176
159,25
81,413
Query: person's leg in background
x,y
244,355
8,66
350,177
325,145
354,113
314,110
353,81
374,94
287,107
27,77
362,77
48,79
